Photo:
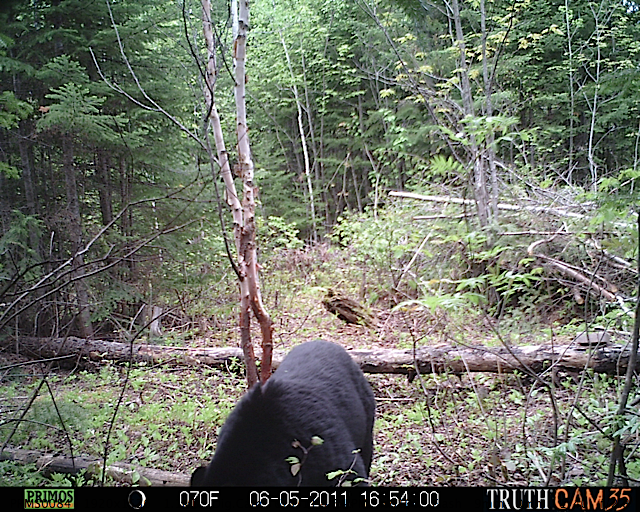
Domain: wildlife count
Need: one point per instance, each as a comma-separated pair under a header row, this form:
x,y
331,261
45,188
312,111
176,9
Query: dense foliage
x,y
106,203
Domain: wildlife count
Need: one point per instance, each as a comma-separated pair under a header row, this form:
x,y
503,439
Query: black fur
x,y
317,391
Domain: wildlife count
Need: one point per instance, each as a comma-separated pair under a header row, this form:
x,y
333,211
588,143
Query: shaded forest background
x,y
466,164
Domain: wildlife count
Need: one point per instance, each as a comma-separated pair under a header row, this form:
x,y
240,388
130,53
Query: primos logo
x,y
48,498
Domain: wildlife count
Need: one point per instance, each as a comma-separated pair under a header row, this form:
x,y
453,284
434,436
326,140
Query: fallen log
x,y
501,206
611,359
604,358
548,209
101,350
119,471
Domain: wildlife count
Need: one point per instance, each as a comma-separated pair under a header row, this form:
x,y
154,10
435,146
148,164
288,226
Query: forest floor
x,y
438,430
473,429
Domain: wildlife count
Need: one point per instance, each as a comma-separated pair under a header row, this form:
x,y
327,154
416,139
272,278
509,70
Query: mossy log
x,y
347,309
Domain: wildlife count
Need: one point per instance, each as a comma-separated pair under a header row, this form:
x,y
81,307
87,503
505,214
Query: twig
x,y
617,451
25,363
46,280
566,269
155,107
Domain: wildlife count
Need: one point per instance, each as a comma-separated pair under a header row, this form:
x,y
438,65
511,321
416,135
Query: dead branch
x,y
588,281
501,206
615,260
119,471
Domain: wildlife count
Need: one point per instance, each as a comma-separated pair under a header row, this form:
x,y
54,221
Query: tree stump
x,y
347,309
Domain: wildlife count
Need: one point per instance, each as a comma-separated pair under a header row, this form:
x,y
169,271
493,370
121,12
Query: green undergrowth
x,y
436,430
166,418
492,430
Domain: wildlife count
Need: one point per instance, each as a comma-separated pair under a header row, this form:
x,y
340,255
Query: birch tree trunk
x,y
303,142
608,358
593,104
572,101
244,225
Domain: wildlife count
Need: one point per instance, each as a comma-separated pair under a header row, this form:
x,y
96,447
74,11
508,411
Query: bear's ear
x,y
197,479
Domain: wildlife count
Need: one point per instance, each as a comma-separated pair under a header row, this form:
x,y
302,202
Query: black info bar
x,y
467,499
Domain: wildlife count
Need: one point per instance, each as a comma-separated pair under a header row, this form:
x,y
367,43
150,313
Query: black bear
x,y
317,392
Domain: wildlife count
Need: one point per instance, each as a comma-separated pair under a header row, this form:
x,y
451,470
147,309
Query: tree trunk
x,y
26,158
75,234
152,316
125,196
104,186
489,152
594,104
479,171
28,178
244,225
572,100
557,211
303,142
230,194
314,144
249,249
